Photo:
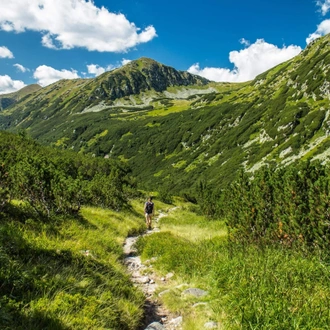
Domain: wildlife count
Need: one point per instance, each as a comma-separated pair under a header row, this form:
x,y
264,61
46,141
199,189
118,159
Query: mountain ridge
x,y
8,99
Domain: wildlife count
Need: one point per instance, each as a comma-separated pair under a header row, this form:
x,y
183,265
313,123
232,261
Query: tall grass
x,y
66,274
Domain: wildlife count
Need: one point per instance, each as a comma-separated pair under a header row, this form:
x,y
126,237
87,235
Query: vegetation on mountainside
x,y
54,182
60,270
7,100
272,272
175,137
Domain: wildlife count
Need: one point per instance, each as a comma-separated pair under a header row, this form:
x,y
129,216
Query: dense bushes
x,y
289,205
57,182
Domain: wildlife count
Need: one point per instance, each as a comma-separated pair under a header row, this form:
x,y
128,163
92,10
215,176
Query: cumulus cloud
x,y
8,85
96,69
47,75
20,67
322,29
66,24
125,61
324,6
248,62
5,52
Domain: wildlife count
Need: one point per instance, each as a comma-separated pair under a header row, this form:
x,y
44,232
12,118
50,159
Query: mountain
x,y
7,100
174,129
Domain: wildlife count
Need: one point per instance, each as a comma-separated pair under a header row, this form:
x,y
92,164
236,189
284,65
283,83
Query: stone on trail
x,y
155,326
211,325
142,279
177,321
195,292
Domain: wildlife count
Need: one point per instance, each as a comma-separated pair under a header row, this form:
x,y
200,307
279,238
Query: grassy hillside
x,y
7,100
176,136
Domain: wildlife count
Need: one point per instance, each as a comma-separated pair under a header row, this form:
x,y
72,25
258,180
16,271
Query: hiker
x,y
149,212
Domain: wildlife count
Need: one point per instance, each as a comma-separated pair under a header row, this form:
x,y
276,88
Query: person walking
x,y
149,212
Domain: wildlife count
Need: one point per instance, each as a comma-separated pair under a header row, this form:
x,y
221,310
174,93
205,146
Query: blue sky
x,y
42,41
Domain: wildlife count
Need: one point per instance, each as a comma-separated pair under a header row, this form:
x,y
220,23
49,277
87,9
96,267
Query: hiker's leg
x,y
147,219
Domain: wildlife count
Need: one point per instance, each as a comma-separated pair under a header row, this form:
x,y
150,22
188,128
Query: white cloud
x,y
95,69
249,62
324,6
5,52
47,75
20,67
245,42
125,61
67,24
8,85
322,29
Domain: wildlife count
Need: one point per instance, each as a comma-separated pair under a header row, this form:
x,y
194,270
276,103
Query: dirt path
x,y
156,316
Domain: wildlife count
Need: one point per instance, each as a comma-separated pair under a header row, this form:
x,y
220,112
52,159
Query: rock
x,y
169,275
142,279
163,279
177,321
195,292
155,326
152,282
211,325
136,274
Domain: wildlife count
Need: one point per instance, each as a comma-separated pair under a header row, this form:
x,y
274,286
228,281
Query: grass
x,y
67,274
184,223
179,105
248,287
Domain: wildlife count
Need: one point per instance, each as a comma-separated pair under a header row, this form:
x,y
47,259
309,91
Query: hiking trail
x,y
156,317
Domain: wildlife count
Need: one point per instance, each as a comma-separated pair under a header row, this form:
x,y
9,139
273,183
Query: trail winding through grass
x,y
156,317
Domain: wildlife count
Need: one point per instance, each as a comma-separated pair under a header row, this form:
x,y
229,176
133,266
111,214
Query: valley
x,y
172,135
239,172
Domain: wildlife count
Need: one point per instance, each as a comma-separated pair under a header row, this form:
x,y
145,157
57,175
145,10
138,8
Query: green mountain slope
x,y
7,100
178,135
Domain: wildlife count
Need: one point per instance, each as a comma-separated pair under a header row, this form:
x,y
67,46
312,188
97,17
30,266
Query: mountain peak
x,y
141,75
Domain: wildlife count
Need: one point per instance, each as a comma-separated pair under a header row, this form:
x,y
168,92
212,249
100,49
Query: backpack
x,y
149,207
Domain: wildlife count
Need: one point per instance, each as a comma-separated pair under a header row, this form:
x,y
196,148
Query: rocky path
x,y
156,316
